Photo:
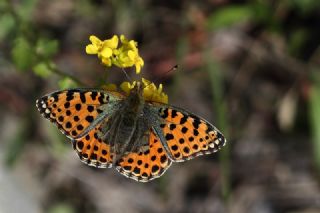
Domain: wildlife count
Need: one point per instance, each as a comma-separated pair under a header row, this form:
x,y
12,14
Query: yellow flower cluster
x,y
150,91
127,55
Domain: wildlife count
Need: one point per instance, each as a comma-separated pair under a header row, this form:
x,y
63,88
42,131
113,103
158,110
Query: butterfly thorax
x,y
135,101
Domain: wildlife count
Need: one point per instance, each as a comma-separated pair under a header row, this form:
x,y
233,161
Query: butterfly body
x,y
125,128
139,138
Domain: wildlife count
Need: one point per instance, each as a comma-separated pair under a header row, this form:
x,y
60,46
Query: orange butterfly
x,y
139,138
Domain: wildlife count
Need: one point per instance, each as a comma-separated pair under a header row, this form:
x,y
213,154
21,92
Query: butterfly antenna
x,y
174,68
126,74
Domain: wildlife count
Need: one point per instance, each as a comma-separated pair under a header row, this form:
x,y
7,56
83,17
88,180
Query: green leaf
x,y
3,5
305,6
262,12
7,24
228,16
22,54
47,48
25,9
42,69
67,83
61,208
297,41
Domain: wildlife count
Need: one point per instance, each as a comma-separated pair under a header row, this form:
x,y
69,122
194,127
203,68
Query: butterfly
x,y
139,138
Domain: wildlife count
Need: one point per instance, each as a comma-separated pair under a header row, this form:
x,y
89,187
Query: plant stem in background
x,y
19,139
314,113
182,49
63,74
219,106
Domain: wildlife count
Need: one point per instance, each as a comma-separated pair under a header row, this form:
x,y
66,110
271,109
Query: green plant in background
x,y
220,107
314,116
30,49
272,16
252,12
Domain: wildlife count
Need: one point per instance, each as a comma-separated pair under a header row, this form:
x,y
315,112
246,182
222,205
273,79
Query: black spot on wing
x,y
94,95
82,97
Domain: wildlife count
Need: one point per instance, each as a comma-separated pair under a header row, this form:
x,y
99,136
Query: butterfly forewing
x,y
188,135
73,111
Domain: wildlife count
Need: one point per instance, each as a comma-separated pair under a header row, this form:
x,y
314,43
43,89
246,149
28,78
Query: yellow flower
x,y
95,46
104,49
127,86
150,91
128,55
137,60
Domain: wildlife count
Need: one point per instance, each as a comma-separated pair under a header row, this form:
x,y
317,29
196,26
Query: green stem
x,y
220,107
314,115
63,74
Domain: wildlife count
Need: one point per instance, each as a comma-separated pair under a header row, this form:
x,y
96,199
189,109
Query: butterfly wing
x,y
78,114
177,135
186,135
147,163
92,150
73,111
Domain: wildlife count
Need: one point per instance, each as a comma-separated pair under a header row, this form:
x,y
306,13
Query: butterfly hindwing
x,y
74,110
92,150
146,164
188,135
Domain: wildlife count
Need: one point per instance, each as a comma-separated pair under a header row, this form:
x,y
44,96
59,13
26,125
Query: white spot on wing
x,y
211,145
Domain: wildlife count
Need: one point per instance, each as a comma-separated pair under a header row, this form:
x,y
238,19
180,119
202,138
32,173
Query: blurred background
x,y
251,67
